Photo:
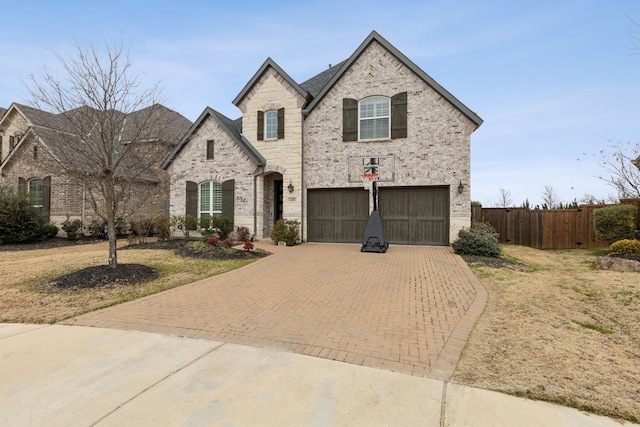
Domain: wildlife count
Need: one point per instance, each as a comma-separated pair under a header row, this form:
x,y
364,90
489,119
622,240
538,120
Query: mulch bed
x,y
126,274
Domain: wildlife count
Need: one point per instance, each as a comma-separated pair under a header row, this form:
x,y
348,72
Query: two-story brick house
x,y
37,157
299,151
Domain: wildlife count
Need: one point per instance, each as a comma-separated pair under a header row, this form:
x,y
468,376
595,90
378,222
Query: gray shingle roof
x,y
232,127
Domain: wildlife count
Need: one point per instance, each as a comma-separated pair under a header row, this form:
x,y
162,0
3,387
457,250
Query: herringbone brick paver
x,y
409,310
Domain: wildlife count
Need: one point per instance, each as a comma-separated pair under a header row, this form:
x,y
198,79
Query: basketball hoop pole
x,y
371,178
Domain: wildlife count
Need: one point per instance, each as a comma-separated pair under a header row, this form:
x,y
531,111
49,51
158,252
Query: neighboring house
x,y
37,156
299,150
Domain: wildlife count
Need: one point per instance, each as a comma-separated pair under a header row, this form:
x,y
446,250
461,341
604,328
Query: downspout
x,y
302,190
255,202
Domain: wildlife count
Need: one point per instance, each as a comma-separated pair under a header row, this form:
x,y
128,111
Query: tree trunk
x,y
111,222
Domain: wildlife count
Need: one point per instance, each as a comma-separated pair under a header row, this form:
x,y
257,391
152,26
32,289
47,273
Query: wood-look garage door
x,y
415,215
337,215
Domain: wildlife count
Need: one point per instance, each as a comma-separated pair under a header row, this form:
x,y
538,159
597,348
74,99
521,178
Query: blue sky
x,y
555,81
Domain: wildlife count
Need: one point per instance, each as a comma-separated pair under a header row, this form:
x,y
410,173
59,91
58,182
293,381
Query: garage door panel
x,y
415,215
396,231
337,215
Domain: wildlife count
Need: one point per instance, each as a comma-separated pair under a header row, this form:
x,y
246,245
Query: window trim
x,y
374,118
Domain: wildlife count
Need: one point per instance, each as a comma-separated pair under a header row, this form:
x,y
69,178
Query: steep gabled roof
x,y
269,63
231,127
374,36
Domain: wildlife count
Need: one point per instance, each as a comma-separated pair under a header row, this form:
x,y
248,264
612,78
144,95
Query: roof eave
x,y
406,61
268,63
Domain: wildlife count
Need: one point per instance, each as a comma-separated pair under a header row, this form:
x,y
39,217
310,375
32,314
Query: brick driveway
x,y
409,310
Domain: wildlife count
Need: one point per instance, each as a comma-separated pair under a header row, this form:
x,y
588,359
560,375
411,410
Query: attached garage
x,y
337,215
415,215
410,215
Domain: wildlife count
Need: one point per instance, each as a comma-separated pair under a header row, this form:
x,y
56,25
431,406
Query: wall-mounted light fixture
x,y
290,187
460,187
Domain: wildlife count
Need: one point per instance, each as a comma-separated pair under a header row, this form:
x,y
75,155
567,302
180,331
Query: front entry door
x,y
278,200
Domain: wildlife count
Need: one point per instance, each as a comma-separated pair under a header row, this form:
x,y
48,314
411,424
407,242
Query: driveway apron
x,y
409,310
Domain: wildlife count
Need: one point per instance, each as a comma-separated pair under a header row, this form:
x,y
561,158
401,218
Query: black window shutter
x,y
46,197
399,115
22,186
210,149
349,119
228,197
191,206
281,123
260,125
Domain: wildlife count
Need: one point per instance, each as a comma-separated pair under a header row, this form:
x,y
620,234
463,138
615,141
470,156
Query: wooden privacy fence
x,y
547,228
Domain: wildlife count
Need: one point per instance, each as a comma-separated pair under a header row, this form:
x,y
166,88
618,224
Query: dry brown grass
x,y
564,332
25,298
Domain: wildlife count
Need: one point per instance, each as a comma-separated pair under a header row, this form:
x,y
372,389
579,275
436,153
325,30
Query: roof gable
x,y
374,36
231,127
269,63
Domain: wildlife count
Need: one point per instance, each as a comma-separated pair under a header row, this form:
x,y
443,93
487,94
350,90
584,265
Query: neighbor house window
x,y
35,152
35,192
374,116
210,199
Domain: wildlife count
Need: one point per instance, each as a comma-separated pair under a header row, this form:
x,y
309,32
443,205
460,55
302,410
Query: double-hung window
x,y
271,125
210,199
374,116
35,192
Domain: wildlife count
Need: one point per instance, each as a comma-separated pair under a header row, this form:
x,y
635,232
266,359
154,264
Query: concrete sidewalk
x,y
55,375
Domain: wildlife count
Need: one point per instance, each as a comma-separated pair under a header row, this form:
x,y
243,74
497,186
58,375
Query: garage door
x,y
337,215
415,215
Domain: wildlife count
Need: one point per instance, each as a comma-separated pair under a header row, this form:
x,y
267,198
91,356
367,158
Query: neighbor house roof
x,y
232,127
60,135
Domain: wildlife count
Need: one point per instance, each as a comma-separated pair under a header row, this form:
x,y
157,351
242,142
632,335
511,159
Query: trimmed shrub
x,y
73,229
470,242
223,225
20,221
142,228
615,222
286,230
625,247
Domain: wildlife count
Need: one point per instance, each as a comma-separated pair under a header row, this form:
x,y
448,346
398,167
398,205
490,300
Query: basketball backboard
x,y
383,166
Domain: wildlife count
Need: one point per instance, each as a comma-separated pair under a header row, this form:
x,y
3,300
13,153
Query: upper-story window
x,y
271,124
374,114
374,118
210,147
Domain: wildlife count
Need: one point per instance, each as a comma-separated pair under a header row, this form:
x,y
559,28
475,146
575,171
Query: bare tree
x,y
109,122
621,162
505,200
550,198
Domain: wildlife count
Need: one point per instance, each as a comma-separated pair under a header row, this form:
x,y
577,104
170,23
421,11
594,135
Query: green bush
x,y
73,229
615,222
20,221
286,230
473,242
625,247
223,226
